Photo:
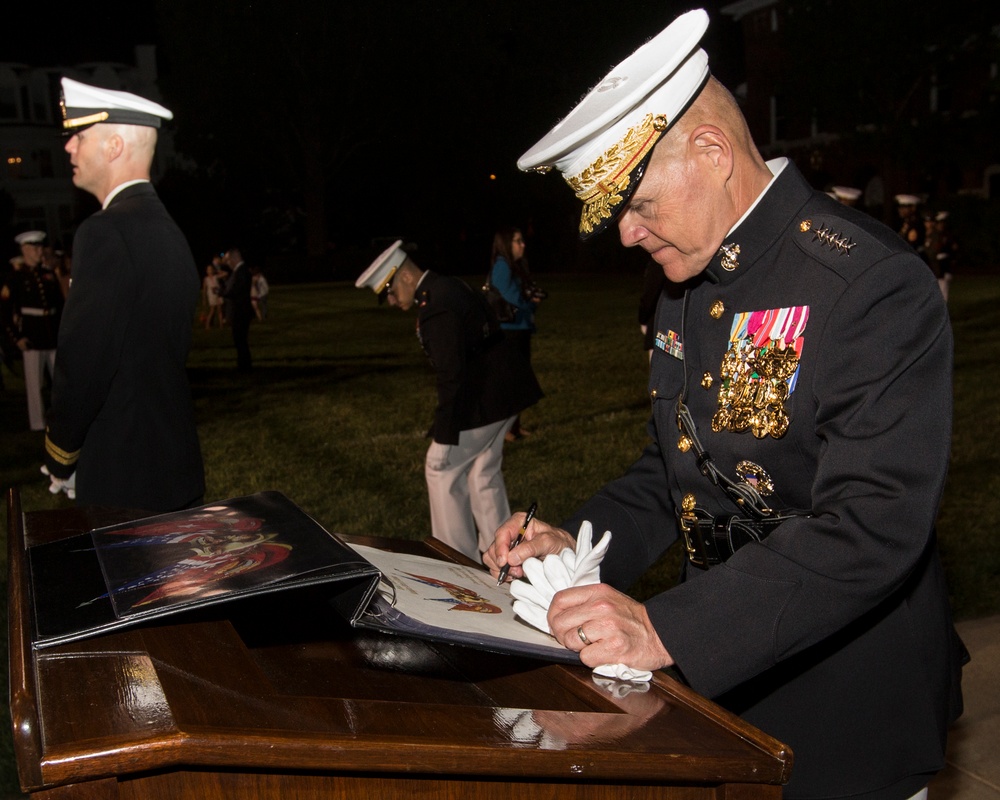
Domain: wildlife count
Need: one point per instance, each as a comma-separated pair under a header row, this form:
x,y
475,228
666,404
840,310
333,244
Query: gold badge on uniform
x,y
756,476
832,239
759,371
730,253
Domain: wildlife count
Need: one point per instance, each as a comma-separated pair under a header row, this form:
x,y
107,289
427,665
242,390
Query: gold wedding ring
x,y
582,635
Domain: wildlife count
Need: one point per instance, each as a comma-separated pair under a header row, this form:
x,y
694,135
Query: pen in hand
x,y
520,538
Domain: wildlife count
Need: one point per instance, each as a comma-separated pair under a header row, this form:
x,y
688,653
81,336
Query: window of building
x,y
8,102
942,97
779,124
14,165
44,159
65,216
31,218
39,111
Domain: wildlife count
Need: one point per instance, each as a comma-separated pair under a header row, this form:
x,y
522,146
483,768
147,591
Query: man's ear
x,y
405,273
114,146
713,144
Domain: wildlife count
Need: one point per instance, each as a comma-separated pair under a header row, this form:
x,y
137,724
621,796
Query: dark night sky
x,y
46,33
452,92
586,40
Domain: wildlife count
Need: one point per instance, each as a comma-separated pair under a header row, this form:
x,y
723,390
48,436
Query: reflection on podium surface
x,y
278,696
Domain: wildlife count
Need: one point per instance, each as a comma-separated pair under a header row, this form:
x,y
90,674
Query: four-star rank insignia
x,y
826,235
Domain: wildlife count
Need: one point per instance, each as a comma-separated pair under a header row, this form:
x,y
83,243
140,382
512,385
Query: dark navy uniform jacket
x,y
122,415
833,634
481,377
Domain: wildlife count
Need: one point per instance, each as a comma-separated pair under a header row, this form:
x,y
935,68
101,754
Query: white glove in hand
x,y
556,572
545,577
57,485
587,559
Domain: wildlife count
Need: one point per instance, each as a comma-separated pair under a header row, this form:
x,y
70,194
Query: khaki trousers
x,y
466,489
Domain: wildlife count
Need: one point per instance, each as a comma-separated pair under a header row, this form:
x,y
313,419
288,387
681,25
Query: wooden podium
x,y
277,697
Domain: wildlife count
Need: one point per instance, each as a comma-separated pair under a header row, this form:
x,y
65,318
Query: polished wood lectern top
x,y
277,696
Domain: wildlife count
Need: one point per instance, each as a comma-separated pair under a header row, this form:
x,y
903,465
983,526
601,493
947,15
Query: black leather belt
x,y
711,540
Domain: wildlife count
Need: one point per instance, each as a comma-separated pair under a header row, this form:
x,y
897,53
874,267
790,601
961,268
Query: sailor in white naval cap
x,y
121,424
800,392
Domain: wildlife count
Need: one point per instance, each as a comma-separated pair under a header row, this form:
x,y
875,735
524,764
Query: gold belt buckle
x,y
688,525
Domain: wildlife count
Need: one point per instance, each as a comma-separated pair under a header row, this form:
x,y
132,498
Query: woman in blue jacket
x,y
509,274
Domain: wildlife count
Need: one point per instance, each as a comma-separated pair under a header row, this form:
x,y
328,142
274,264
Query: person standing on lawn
x,y
122,423
31,304
509,274
483,382
237,290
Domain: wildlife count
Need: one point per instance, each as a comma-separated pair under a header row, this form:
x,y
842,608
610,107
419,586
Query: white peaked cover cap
x,y
84,105
602,146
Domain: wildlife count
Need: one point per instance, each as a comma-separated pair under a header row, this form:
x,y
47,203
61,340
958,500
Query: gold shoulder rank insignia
x,y
825,235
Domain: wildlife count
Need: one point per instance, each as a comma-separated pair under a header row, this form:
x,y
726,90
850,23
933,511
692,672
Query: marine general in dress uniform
x,y
800,391
31,303
122,421
483,383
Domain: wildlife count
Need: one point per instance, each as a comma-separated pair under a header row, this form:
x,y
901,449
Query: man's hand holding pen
x,y
520,538
540,539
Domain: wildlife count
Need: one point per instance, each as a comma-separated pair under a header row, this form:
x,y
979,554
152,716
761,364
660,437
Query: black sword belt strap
x,y
709,539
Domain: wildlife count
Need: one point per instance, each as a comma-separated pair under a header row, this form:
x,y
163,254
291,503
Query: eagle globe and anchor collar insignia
x,y
729,257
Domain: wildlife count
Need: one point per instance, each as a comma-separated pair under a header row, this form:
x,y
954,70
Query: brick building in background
x,y
876,96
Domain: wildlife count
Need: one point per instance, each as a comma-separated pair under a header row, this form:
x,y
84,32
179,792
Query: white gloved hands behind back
x,y
57,485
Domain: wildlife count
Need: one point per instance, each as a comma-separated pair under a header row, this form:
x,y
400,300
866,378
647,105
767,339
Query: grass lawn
x,y
335,412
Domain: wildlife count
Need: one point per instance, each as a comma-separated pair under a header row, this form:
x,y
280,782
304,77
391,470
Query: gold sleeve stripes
x,y
59,455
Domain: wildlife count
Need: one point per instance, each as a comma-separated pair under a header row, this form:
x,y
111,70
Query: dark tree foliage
x,y
336,123
869,69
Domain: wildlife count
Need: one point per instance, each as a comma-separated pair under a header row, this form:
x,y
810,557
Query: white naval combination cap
x,y
846,193
379,274
603,145
907,199
84,105
30,237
